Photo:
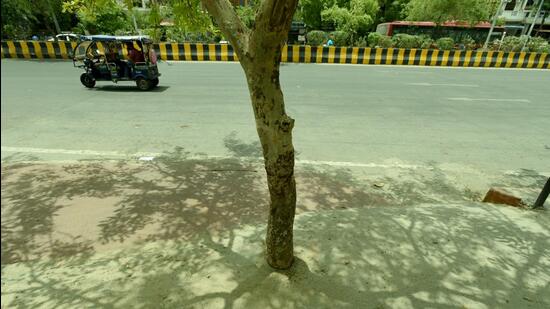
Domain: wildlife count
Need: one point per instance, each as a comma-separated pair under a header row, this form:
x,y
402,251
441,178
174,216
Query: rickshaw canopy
x,y
111,38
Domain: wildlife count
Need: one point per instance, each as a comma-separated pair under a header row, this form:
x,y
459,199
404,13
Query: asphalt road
x,y
486,119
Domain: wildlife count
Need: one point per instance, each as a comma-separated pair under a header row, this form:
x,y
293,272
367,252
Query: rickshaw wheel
x,y
154,82
87,80
143,84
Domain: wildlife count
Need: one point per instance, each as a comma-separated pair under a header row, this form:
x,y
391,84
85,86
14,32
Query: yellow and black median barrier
x,y
305,54
37,50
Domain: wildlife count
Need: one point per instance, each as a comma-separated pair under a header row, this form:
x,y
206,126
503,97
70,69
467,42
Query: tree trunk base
x,y
280,264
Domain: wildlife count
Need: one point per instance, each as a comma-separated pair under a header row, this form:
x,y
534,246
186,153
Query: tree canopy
x,y
23,18
440,11
354,18
391,10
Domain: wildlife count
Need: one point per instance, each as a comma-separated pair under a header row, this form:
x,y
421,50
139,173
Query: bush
x,y
174,34
445,43
426,42
468,42
403,40
340,38
361,42
385,42
376,39
373,38
512,43
154,33
538,45
316,37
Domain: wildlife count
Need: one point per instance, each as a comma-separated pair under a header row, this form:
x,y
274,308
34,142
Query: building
x,y
519,15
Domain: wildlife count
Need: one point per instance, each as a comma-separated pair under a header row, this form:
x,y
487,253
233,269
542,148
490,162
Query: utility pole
x,y
495,18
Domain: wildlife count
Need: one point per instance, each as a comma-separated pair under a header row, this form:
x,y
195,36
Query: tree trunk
x,y
275,132
52,12
259,52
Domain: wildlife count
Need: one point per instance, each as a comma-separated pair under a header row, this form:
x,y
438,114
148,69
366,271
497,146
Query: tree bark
x,y
259,52
274,129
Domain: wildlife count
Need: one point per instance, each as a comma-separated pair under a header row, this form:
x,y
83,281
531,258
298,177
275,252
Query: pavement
x,y
350,115
116,198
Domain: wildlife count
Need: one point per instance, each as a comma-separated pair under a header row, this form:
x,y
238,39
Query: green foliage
x,y
511,43
17,16
426,42
316,37
501,21
403,40
340,38
385,42
23,18
515,44
445,43
247,14
376,39
391,10
142,19
439,11
468,42
155,16
99,16
361,42
175,34
538,45
105,21
355,20
310,11
190,16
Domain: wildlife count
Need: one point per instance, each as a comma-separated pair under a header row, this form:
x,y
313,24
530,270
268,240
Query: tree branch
x,y
271,27
231,25
275,15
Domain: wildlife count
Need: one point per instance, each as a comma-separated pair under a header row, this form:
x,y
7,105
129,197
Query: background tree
x,y
17,17
22,18
311,11
259,51
355,19
99,16
440,11
391,10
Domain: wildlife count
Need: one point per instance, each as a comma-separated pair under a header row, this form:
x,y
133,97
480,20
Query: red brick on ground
x,y
499,196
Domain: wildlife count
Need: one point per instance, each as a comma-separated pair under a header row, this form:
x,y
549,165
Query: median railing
x,y
305,54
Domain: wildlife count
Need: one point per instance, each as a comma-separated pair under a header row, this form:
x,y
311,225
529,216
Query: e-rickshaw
x,y
117,58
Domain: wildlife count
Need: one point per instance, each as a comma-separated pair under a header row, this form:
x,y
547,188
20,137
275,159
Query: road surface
x,y
346,115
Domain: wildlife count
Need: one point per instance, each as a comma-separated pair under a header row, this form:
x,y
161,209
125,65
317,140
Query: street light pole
x,y
497,14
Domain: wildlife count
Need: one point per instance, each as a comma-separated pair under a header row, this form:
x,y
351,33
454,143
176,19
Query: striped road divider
x,y
305,54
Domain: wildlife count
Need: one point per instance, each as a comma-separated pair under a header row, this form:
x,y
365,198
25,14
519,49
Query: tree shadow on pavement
x,y
188,233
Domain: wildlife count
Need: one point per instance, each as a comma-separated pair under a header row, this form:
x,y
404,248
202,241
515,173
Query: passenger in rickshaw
x,y
134,56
